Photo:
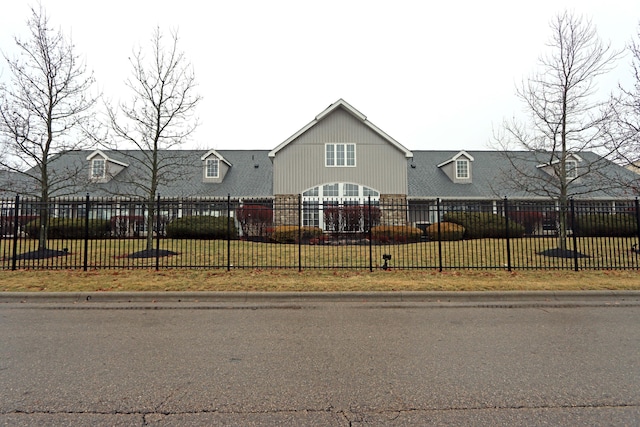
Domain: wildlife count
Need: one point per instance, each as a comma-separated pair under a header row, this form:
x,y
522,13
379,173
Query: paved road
x,y
319,363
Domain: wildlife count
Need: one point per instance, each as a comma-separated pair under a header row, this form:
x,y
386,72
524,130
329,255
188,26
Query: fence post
x,y
299,232
506,221
439,238
157,232
638,225
370,237
85,261
16,229
573,235
228,231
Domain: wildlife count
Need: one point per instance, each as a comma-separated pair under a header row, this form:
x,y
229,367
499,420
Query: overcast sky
x,y
433,75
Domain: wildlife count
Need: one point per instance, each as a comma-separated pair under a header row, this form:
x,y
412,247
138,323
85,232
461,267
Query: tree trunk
x,y
44,217
150,223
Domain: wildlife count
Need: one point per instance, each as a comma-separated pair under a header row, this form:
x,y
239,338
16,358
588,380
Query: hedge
x,y
448,231
395,234
67,228
482,225
605,225
289,233
201,227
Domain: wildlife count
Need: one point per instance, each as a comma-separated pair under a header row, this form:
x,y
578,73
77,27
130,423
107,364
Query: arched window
x,y
324,205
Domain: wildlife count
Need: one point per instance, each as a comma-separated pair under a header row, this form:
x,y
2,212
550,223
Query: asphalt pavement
x,y
346,359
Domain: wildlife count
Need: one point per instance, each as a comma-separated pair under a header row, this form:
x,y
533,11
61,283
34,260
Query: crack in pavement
x,y
352,412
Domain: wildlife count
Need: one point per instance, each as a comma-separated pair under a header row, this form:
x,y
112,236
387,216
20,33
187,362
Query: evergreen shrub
x,y
67,228
605,225
448,231
395,234
483,225
201,227
289,233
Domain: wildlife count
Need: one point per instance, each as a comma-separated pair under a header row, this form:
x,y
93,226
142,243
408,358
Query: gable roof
x,y
104,156
555,161
215,153
341,103
456,157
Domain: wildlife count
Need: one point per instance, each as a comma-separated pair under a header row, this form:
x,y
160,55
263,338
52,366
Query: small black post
x,y
506,221
439,237
228,231
573,236
85,261
299,232
16,229
158,233
370,237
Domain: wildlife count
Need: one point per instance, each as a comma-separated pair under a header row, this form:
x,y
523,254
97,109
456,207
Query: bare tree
x,y
43,112
629,108
158,118
564,120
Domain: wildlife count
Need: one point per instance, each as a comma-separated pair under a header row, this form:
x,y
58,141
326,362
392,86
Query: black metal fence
x,y
304,233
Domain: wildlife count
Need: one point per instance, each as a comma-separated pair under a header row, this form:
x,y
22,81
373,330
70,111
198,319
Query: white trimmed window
x,y
213,168
350,190
98,168
462,169
331,190
338,155
571,169
317,199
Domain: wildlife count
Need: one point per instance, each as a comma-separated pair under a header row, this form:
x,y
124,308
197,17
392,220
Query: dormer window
x,y
338,155
98,168
103,168
213,168
458,168
462,169
570,172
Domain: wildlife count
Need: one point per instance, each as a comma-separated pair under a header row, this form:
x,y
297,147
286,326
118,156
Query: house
x,y
340,158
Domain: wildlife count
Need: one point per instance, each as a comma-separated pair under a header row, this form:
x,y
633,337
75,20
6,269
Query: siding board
x,y
379,165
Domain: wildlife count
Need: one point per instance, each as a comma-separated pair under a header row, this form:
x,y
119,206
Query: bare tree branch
x,y
564,118
158,117
44,110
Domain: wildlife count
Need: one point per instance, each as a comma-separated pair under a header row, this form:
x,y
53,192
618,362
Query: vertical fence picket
x,y
370,233
439,219
16,230
299,232
85,258
346,242
637,245
573,235
228,231
506,222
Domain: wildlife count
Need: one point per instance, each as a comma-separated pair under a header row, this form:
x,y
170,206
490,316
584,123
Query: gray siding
x,y
379,165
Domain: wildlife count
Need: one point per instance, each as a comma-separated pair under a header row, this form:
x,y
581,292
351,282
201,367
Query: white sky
x,y
433,75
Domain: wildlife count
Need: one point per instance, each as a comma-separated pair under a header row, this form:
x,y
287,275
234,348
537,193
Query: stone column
x,y
285,209
394,209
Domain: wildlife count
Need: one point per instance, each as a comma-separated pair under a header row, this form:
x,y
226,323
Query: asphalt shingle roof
x,y
490,176
251,176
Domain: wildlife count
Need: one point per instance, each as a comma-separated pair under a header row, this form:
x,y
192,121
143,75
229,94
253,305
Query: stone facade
x,y
285,208
393,209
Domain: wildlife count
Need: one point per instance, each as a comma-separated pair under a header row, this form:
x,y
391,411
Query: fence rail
x,y
228,233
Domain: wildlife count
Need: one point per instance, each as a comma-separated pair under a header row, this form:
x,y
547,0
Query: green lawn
x,y
600,253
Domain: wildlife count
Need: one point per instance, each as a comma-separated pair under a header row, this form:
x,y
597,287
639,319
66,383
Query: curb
x,y
628,297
